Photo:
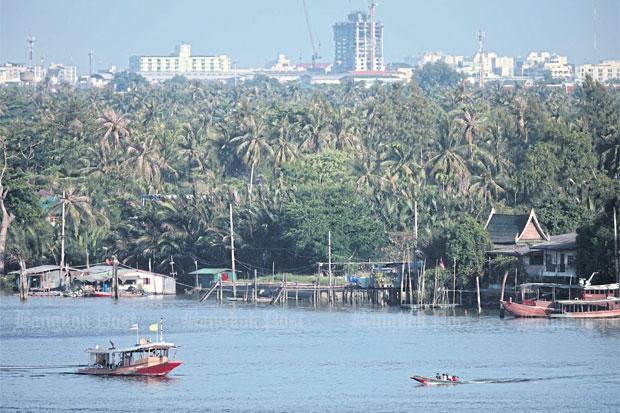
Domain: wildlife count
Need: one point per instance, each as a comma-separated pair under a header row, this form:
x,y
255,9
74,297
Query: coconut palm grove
x,y
146,172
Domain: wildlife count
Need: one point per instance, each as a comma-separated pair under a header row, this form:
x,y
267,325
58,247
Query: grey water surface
x,y
249,358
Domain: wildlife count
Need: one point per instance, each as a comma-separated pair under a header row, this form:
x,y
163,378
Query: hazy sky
x,y
254,31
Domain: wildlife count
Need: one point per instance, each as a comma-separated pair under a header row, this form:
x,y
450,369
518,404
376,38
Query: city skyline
x,y
66,30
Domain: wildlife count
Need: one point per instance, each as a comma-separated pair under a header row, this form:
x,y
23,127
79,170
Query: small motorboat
x,y
439,379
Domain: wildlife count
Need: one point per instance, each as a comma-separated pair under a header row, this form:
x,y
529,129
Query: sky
x,y
253,32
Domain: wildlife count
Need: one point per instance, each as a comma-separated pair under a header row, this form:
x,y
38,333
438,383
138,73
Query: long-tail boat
x,y
144,359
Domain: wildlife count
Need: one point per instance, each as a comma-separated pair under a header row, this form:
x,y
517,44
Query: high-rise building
x,y
181,63
356,47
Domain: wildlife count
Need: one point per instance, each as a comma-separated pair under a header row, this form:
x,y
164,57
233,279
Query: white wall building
x,y
539,63
602,72
182,63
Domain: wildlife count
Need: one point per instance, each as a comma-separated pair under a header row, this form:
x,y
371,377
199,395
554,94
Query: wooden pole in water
x,y
232,252
255,295
329,264
196,265
454,282
478,293
23,283
114,278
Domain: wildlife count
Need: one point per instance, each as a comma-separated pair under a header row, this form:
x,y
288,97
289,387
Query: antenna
x,y
91,54
594,45
481,53
30,40
373,36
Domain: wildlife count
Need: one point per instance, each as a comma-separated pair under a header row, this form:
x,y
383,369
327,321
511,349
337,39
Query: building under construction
x,y
359,43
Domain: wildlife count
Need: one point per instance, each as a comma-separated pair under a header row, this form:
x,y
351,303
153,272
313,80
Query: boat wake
x,y
514,380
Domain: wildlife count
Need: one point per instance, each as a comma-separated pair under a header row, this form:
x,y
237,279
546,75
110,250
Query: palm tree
x,y
145,159
345,129
448,166
470,125
314,127
114,127
75,208
252,143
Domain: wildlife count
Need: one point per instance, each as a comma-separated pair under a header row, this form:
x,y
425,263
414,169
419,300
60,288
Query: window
x,y
536,258
570,261
146,281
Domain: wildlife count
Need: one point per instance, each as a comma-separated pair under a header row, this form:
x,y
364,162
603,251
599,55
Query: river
x,y
273,359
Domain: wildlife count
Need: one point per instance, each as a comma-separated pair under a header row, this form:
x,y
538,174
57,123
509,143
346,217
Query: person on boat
x,y
438,376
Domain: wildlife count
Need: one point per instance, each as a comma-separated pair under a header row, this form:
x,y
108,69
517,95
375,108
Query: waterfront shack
x,y
150,282
205,277
45,278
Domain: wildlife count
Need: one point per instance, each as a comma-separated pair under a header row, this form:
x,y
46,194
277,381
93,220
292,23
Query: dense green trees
x,y
159,164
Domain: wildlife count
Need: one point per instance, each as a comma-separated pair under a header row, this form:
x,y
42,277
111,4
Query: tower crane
x,y
316,53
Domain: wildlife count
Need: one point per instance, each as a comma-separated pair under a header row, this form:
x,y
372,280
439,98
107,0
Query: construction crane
x,y
316,54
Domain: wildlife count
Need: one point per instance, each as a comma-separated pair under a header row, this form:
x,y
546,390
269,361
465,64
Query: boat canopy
x,y
146,347
586,302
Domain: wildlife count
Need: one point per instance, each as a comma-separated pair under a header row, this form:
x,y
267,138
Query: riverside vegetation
x,y
148,171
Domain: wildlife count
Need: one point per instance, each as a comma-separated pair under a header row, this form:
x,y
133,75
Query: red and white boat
x,y
144,359
440,379
582,301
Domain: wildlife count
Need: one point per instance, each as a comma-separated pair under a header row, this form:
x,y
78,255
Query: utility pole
x,y
481,53
232,252
616,264
62,233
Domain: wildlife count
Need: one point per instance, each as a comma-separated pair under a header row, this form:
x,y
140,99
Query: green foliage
x,y
159,165
560,214
356,234
22,200
595,247
434,75
468,244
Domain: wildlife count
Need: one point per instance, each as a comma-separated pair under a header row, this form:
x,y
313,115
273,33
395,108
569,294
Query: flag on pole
x,y
442,264
154,328
134,327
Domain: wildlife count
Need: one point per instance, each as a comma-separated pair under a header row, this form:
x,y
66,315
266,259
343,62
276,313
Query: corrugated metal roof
x,y
559,242
210,271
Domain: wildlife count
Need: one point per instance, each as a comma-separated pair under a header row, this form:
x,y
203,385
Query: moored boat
x,y
567,301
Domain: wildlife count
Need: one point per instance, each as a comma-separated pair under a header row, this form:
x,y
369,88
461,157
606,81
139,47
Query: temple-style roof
x,y
511,228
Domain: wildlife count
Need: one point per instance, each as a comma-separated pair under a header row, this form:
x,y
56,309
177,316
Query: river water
x,y
275,359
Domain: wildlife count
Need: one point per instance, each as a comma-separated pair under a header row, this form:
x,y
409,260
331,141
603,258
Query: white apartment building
x,y
539,63
494,66
20,72
602,72
183,63
60,73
